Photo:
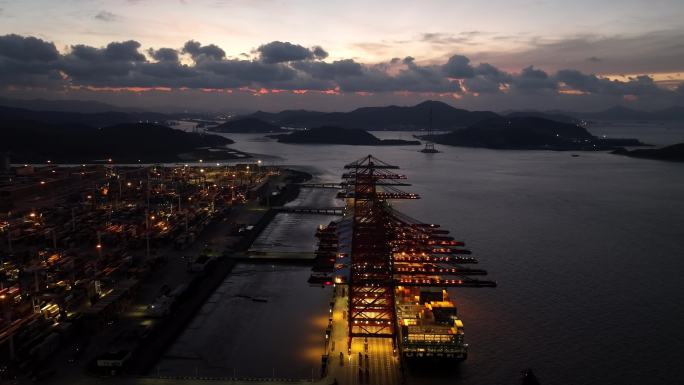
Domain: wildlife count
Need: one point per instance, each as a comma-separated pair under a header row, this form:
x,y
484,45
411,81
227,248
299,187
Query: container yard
x,y
113,250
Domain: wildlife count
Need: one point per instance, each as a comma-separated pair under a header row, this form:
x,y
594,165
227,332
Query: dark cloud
x,y
167,69
458,66
638,85
27,48
440,38
28,61
164,54
533,79
106,16
487,79
329,71
492,73
449,39
247,71
124,51
581,82
576,80
281,52
319,52
200,52
412,78
102,66
482,85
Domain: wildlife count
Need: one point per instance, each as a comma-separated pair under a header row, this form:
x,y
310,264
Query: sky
x,y
338,55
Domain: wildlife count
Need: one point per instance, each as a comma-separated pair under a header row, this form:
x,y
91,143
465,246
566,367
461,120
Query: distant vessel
x,y
429,328
429,149
429,145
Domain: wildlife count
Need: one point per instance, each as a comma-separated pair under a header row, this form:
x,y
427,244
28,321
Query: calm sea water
x,y
588,253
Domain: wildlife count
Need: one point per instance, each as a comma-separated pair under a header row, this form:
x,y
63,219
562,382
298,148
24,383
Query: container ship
x,y
428,325
395,269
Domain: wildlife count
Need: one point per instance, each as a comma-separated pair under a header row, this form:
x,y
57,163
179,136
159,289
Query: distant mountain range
x,y
551,115
672,153
30,141
92,106
529,133
444,117
627,114
338,135
63,136
616,113
96,119
82,106
249,125
517,129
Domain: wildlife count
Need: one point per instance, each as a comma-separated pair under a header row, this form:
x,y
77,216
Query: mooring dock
x,y
373,362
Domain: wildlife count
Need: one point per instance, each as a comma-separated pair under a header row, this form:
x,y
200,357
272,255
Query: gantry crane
x,y
389,248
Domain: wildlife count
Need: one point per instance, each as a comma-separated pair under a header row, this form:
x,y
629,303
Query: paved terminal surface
x,y
264,321
214,346
381,367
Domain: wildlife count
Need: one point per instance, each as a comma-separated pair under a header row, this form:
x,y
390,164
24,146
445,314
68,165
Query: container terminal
x,y
390,273
143,247
85,247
